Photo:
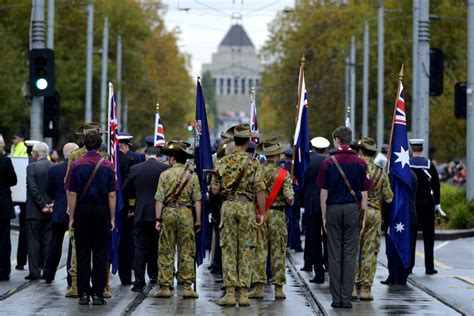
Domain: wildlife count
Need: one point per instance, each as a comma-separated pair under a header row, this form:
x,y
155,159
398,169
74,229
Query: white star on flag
x,y
388,230
403,157
400,227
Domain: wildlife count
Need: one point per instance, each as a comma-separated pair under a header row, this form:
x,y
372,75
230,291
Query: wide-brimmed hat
x,y
368,144
174,146
90,126
243,131
228,133
271,146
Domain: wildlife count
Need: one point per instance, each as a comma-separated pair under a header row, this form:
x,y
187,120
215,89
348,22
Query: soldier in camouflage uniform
x,y
369,244
178,190
239,180
75,155
278,181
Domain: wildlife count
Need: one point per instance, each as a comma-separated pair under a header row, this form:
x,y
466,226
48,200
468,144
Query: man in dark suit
x,y
60,218
7,180
141,184
312,219
38,210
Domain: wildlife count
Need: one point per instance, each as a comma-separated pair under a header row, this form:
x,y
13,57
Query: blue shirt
x,y
103,183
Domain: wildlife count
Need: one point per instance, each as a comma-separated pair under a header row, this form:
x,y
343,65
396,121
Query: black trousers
x,y
91,232
426,218
5,249
22,249
55,249
126,250
39,238
217,259
145,237
313,249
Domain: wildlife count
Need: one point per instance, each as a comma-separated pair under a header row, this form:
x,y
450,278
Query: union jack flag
x,y
253,117
159,132
113,128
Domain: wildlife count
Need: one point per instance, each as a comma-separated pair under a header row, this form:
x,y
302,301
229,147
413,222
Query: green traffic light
x,y
190,128
41,83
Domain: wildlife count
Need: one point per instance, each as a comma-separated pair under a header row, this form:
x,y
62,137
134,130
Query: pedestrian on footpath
x,y
178,191
344,182
60,218
369,244
39,208
272,235
7,213
140,188
92,196
427,201
312,218
239,180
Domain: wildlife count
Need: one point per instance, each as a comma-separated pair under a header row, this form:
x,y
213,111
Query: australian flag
x,y
203,160
301,137
113,153
253,117
398,228
159,132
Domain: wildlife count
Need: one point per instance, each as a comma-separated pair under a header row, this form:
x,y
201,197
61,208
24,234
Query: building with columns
x,y
235,69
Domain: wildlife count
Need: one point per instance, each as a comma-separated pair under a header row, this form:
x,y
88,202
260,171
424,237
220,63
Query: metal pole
x,y
125,115
380,74
347,84
103,81
353,85
424,73
365,91
118,86
50,24
90,38
414,82
37,41
470,102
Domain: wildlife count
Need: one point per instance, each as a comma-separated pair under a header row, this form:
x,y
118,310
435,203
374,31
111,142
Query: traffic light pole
x,y
470,101
365,92
423,74
90,38
37,40
380,75
103,81
414,90
353,86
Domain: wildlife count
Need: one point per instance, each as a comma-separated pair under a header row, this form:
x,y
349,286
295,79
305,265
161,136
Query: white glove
x,y
440,210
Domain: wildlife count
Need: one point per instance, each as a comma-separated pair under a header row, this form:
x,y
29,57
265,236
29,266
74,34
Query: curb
x,y
449,234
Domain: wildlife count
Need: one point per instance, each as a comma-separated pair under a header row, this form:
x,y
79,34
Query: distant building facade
x,y
235,68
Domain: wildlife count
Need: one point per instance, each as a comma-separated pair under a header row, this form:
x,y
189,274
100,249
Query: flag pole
x,y
111,87
302,62
400,80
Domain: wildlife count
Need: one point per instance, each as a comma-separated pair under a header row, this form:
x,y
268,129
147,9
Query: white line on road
x,y
441,245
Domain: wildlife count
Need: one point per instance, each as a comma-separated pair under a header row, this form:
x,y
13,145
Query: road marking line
x,y
436,262
466,279
13,261
441,245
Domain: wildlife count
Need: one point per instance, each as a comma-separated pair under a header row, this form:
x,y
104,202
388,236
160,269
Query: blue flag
x,y
118,218
203,160
398,228
301,137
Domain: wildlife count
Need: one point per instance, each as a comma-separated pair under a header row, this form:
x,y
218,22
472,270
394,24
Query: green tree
x,y
209,92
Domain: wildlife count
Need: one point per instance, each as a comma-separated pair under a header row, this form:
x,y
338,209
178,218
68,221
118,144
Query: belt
x,y
176,205
278,208
241,198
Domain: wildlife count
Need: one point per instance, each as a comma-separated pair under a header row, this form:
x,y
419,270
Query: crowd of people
x,y
253,206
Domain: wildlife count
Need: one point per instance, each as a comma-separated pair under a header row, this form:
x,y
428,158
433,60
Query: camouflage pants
x,y
238,232
73,268
177,229
368,248
271,238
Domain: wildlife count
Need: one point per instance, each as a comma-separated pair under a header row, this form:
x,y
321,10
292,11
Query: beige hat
x,y
176,146
368,144
90,126
243,130
271,146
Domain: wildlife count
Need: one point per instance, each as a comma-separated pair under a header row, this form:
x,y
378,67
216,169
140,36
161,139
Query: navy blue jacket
x,y
311,193
55,190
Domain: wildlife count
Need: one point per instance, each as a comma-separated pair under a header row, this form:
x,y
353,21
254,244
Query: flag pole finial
x,y
303,59
400,76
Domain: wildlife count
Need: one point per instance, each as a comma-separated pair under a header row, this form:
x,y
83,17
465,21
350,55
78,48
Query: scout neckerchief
x,y
276,188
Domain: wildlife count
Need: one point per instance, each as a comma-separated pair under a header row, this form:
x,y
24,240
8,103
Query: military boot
x,y
257,292
354,293
365,294
188,292
72,290
243,297
279,294
107,293
163,292
229,297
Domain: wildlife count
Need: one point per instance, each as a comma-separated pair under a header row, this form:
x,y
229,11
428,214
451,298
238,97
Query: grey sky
x,y
205,24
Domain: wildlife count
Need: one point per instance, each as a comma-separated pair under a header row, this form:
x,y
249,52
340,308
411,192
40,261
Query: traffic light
x,y
42,72
190,126
51,116
460,101
436,72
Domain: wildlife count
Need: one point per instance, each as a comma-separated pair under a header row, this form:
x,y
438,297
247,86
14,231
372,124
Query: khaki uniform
x,y
177,226
238,226
369,244
275,226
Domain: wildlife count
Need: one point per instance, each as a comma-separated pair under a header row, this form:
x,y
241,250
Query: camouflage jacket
x,y
381,190
168,181
270,172
227,171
